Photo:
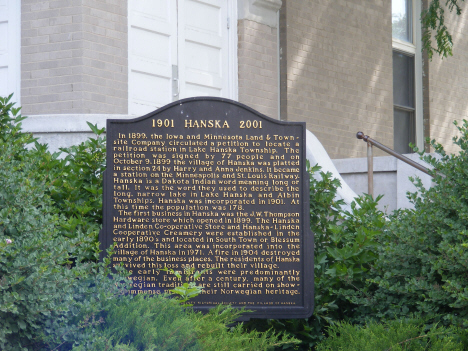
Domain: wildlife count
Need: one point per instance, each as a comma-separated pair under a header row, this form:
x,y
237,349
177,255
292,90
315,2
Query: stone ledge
x,y
261,11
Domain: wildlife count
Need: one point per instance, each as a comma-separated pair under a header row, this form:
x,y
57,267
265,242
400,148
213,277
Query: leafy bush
x,y
48,284
423,253
345,249
215,335
78,183
188,287
159,323
413,264
144,324
408,335
74,179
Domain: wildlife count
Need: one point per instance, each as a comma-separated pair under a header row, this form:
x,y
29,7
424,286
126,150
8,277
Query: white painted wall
x,y
316,154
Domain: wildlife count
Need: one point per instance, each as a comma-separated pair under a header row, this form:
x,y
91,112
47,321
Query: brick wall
x,y
74,56
258,66
448,84
337,70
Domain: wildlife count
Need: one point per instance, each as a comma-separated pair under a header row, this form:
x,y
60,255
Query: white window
x,y
407,75
10,11
180,49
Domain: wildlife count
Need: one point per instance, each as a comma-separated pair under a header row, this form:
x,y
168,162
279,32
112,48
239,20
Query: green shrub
x,y
413,264
78,182
155,323
408,335
345,250
423,253
48,286
158,323
74,179
101,343
215,335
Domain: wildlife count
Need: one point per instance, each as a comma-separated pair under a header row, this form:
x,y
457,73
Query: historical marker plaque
x,y
209,182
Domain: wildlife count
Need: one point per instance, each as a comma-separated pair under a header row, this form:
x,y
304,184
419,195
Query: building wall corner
x,y
258,55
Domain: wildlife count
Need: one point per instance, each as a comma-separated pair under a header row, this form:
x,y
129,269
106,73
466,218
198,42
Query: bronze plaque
x,y
211,183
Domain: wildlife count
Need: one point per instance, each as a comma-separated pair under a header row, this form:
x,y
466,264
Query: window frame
x,y
414,49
